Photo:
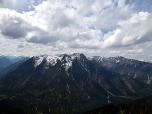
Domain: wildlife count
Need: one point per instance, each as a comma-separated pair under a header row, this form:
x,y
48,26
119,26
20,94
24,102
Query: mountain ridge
x,y
67,84
137,69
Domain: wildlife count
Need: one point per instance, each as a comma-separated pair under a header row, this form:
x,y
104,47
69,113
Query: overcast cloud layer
x,y
92,27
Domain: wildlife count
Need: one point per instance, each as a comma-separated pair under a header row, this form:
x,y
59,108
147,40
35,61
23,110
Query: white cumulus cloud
x,y
75,25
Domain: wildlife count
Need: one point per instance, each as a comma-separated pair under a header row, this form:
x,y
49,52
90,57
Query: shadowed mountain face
x,y
66,84
4,62
123,108
137,69
4,109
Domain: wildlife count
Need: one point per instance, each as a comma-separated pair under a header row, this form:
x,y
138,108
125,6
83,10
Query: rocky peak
x,y
65,59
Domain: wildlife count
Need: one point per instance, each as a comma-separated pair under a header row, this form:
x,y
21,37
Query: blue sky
x,y
93,27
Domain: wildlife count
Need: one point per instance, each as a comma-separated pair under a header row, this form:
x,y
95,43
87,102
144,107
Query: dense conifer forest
x,y
123,108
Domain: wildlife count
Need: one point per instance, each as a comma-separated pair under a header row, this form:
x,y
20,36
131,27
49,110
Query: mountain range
x,y
11,67
13,57
19,59
66,84
4,62
134,68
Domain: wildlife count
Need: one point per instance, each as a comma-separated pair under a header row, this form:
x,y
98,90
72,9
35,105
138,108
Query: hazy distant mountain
x,y
18,59
137,69
12,67
14,58
149,61
10,57
66,84
4,62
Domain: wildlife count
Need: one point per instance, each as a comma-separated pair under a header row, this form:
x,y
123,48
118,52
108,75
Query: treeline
x,y
123,108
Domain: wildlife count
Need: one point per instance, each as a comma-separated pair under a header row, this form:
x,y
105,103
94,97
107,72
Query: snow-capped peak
x,y
65,59
52,60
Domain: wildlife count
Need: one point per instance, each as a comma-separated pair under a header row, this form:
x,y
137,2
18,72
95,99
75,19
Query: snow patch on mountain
x,y
68,63
38,60
117,61
65,59
52,60
104,59
97,58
